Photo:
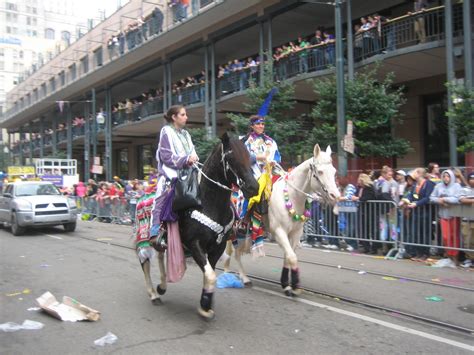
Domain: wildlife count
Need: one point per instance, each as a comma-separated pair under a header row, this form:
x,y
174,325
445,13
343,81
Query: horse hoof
x,y
297,291
248,284
161,291
157,301
207,315
288,291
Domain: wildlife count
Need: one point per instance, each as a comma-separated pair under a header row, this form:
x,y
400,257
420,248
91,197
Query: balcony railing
x,y
399,33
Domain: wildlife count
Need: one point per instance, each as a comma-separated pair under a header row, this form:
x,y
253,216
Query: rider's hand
x,y
192,159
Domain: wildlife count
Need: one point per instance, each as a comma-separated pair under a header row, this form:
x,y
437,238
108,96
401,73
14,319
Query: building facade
x,y
104,96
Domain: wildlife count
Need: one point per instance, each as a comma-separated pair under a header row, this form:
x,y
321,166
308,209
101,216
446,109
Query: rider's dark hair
x,y
173,110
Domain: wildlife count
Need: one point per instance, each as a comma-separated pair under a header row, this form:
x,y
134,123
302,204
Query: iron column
x,y
108,134
206,89
69,130
468,58
453,156
213,91
341,121
350,42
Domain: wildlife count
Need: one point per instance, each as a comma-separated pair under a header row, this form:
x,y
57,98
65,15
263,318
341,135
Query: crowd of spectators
x,y
414,205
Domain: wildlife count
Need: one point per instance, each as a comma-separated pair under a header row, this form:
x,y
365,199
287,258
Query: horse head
x,y
236,160
323,175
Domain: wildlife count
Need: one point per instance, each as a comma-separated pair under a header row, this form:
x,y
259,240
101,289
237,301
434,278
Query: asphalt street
x,y
96,266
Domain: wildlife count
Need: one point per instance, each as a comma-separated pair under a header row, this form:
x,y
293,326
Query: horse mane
x,y
239,152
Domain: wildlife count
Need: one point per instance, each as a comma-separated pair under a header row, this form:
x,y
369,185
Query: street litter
x,y
339,266
229,280
26,291
27,325
434,299
388,278
70,310
445,263
361,272
109,338
45,265
34,309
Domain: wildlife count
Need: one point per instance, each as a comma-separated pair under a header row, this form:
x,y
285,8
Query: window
x,y
2,52
72,72
52,83
85,64
34,10
98,57
66,36
2,65
20,54
11,6
34,21
35,34
28,20
49,33
44,91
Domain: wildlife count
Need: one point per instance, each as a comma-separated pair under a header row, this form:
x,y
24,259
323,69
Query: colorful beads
x,y
289,206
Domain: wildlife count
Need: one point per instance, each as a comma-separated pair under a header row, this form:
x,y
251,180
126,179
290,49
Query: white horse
x,y
287,212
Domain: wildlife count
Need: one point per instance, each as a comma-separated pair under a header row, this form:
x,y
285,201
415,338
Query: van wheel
x,y
16,229
70,227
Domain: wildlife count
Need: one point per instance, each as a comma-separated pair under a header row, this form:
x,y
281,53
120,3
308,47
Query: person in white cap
x,y
400,177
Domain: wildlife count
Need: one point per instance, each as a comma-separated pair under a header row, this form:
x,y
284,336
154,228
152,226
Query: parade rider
x,y
263,155
175,151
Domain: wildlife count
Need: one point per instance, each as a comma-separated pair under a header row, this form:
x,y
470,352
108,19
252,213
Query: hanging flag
x,y
60,105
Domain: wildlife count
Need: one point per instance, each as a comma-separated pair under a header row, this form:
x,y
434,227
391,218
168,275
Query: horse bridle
x,y
314,171
227,167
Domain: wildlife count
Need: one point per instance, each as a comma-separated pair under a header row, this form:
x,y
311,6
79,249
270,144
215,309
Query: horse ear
x,y
328,150
316,150
225,139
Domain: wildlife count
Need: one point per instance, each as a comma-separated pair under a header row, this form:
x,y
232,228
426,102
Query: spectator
x,y
447,193
418,205
368,232
467,224
303,53
419,6
400,178
347,220
433,172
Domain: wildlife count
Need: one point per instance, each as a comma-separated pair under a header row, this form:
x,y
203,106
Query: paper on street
x,y
69,310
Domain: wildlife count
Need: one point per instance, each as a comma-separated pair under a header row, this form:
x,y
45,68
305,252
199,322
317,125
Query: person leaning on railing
x,y
417,203
467,224
368,225
446,194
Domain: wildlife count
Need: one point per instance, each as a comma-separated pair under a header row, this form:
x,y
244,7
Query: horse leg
x,y
161,287
240,267
209,282
295,271
290,263
154,297
226,256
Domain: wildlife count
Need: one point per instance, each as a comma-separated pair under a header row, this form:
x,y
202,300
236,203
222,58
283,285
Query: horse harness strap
x,y
212,225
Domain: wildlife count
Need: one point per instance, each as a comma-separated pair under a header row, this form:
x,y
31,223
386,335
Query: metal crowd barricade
x,y
371,224
118,210
399,231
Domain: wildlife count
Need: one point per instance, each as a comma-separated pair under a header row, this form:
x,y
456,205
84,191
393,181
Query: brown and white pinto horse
x,y
313,177
227,165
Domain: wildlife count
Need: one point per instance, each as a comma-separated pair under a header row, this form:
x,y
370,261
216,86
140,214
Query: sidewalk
x,y
382,282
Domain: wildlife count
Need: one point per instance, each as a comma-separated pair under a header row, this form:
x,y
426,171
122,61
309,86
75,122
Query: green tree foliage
x,y
202,142
373,107
279,124
462,114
